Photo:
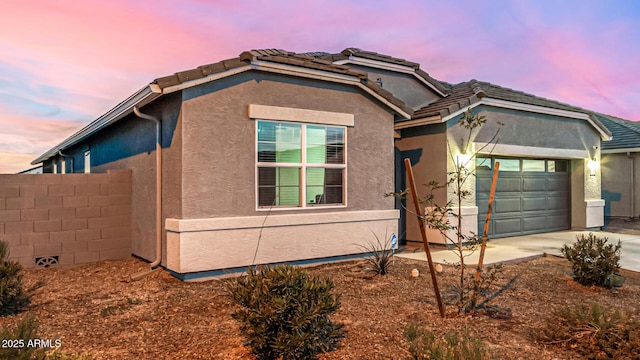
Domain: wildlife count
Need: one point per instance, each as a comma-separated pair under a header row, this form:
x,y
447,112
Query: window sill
x,y
289,208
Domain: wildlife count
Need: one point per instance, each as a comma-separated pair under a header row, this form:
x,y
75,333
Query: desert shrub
x,y
381,258
285,313
424,345
593,261
15,339
14,297
16,344
592,331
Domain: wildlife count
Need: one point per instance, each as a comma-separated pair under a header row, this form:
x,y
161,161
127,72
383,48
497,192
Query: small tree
x,y
447,218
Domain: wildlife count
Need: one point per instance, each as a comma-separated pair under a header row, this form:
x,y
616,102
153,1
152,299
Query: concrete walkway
x,y
521,248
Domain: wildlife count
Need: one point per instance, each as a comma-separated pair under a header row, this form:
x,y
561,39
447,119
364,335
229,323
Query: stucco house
x,y
620,169
282,157
545,149
266,158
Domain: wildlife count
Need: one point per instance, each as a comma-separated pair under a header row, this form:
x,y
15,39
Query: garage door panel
x,y
507,205
505,226
557,183
557,203
557,221
534,223
507,185
534,184
532,204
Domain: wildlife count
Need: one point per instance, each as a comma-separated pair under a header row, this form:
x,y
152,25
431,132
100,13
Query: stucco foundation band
x,y
195,245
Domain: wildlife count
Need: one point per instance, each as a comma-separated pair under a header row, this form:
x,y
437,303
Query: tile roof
x,y
348,52
466,93
626,134
305,60
146,95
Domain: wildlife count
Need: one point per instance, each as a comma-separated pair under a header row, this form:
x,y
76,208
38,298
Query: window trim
x,y
303,165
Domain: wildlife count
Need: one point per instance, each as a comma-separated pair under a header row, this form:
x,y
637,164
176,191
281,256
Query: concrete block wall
x,y
66,219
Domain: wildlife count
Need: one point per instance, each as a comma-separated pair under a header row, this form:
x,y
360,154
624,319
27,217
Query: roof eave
x,y
140,98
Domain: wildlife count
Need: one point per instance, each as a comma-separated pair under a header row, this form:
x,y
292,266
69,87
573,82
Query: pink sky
x,y
65,63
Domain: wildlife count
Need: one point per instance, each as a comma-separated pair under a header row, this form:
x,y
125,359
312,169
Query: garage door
x,y
532,196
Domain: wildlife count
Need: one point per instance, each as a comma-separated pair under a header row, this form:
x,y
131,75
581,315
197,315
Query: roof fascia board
x,y
140,98
620,151
326,76
206,79
417,122
531,108
387,66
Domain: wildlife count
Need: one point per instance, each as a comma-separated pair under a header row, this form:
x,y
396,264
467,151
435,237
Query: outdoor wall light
x,y
462,159
593,166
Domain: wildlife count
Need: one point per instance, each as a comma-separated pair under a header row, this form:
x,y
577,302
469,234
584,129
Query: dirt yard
x,y
96,309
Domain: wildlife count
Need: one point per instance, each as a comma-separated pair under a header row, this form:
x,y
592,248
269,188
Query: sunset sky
x,y
65,63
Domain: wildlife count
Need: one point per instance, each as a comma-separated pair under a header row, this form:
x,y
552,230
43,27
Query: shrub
x,y
16,338
593,331
381,257
593,261
13,296
424,345
16,343
285,313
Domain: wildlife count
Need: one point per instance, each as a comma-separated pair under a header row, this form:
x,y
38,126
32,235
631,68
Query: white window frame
x,y
87,162
303,165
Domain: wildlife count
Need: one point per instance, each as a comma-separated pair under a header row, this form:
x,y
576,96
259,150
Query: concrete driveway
x,y
520,248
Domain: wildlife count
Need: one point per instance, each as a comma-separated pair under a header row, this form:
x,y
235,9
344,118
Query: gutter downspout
x,y
633,178
154,265
66,156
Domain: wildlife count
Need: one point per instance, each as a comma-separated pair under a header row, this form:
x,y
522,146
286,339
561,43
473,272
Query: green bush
x,y
593,332
424,345
285,313
13,296
593,261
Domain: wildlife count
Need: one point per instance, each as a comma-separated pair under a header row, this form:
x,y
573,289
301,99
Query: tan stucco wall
x,y
231,242
432,166
219,141
617,183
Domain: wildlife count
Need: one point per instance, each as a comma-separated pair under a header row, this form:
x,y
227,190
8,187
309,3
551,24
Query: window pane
x,y
278,186
483,163
324,186
557,165
279,142
325,145
509,164
533,165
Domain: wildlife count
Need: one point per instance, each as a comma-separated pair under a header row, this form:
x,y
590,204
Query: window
x,y
509,164
483,163
300,165
533,165
557,166
87,162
